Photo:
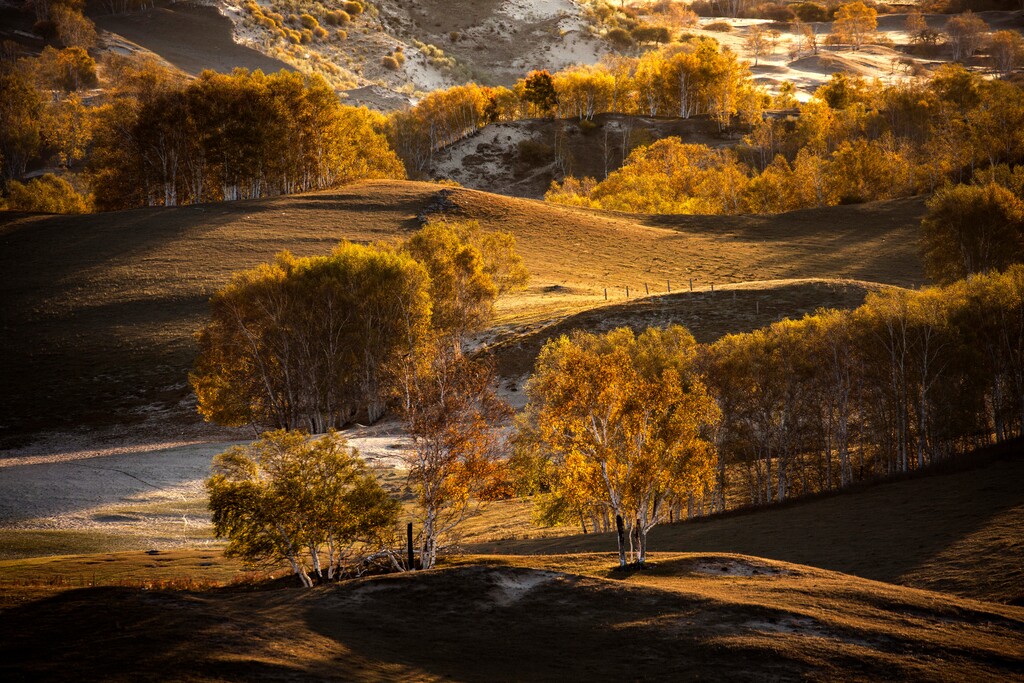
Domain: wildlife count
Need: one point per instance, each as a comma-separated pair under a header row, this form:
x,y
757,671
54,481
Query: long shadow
x,y
192,37
128,635
473,624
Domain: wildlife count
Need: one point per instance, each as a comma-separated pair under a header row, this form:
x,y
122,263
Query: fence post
x,y
647,291
668,286
691,285
606,294
627,291
412,558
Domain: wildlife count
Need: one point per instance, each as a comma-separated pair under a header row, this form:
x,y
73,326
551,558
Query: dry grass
x,y
723,617
99,310
959,533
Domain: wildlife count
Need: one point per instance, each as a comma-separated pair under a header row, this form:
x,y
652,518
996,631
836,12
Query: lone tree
x,y
539,90
626,422
291,497
453,415
855,23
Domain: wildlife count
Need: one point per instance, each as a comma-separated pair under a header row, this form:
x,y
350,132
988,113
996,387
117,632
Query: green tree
x,y
290,497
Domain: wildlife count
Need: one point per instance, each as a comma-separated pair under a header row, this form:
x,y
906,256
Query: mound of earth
x,y
826,64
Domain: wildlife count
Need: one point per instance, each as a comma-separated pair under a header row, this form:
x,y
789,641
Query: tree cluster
x,y
647,426
854,141
312,343
227,137
689,79
905,381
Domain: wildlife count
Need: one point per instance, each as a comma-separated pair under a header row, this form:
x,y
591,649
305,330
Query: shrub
x,y
720,26
390,63
48,194
353,8
309,21
534,152
810,11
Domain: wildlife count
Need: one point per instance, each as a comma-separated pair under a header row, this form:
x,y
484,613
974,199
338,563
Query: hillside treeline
x,y
909,379
695,78
153,138
227,137
854,141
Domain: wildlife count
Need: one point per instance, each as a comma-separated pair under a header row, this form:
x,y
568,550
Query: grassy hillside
x,y
99,310
958,533
689,616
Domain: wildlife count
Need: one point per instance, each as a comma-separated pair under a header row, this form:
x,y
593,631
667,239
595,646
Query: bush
x,y
534,152
48,194
773,11
309,21
353,8
390,63
337,17
720,26
810,11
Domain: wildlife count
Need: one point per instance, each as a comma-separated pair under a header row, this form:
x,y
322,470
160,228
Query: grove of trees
x,y
855,141
643,426
311,344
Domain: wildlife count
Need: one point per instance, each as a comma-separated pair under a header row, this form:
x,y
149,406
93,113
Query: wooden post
x,y
606,294
620,528
647,291
412,558
668,286
627,291
691,285
712,287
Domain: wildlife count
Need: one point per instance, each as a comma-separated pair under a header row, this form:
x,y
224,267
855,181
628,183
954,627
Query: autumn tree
x,y
756,41
468,269
855,23
46,194
453,417
309,343
1007,50
972,229
539,91
20,114
964,34
626,422
308,501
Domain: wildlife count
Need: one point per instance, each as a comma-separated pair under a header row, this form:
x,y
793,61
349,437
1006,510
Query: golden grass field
x,y
99,310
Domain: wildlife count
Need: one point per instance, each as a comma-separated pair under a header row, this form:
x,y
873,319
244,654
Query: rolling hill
x,y
722,617
99,310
